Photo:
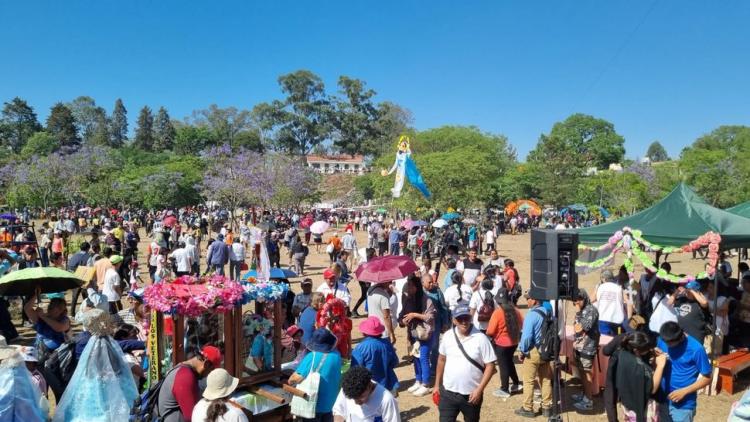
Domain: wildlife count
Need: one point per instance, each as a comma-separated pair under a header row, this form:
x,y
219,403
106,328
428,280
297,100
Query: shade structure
x,y
523,205
48,279
386,268
682,216
276,273
742,209
319,227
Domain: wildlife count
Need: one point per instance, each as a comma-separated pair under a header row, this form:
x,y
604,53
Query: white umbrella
x,y
319,227
439,223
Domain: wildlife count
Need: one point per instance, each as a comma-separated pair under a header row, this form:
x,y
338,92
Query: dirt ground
x,y
494,409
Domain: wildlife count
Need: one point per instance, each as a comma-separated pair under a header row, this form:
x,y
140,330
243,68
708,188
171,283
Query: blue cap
x,y
461,310
693,285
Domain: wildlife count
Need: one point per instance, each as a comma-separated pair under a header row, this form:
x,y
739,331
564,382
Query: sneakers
x,y
500,393
525,413
516,388
414,387
584,404
422,391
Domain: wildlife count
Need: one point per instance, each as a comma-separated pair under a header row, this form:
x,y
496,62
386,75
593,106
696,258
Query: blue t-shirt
x,y
394,236
330,377
448,279
263,348
307,323
686,361
378,356
51,338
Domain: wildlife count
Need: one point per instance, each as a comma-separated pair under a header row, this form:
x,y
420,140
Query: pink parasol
x,y
386,268
169,221
407,224
319,227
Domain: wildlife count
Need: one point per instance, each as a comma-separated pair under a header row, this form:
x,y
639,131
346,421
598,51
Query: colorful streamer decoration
x,y
264,291
625,240
192,297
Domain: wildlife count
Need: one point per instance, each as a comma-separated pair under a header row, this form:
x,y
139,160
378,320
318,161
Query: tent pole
x,y
716,353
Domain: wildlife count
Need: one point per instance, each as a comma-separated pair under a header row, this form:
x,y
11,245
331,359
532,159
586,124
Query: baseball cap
x,y
461,310
212,354
306,281
693,285
328,274
115,259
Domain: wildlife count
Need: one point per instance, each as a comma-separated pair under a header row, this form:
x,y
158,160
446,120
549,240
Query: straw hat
x,y
219,384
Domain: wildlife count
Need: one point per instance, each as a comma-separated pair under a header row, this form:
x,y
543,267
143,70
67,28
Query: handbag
x,y
421,331
329,248
305,407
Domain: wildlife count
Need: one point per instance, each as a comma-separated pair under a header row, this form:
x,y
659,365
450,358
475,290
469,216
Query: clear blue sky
x,y
666,70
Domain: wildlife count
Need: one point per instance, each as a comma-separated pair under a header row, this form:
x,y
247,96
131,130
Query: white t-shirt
x,y
609,302
381,404
460,375
398,288
489,237
111,280
233,414
341,292
452,295
182,259
237,252
476,301
663,312
378,300
722,322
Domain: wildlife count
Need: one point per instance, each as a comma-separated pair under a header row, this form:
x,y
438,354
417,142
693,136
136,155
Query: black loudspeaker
x,y
553,257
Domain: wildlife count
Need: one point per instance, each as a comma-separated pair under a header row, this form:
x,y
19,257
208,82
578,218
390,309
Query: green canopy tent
x,y
682,216
742,209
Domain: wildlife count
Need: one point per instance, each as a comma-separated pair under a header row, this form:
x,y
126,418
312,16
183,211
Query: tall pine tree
x,y
100,134
17,123
62,126
164,132
144,132
118,125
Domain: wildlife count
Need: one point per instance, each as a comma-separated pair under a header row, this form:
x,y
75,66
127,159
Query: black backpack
x,y
145,407
549,341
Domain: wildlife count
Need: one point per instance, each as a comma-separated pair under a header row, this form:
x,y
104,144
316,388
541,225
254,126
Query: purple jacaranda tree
x,y
294,181
236,178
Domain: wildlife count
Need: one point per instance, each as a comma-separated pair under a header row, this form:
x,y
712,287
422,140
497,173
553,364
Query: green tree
x,y
91,120
656,152
355,118
393,120
118,125
164,132
717,165
61,125
144,132
227,124
18,123
191,140
40,144
303,119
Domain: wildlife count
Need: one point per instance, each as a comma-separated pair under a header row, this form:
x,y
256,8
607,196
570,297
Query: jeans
x,y
218,268
195,269
44,256
234,269
299,263
395,249
451,404
382,248
422,365
534,366
681,415
608,328
507,368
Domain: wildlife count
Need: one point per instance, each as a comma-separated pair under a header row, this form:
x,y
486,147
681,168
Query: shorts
x,y
584,362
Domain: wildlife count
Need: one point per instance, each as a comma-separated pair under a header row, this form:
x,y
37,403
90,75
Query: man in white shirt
x,y
489,241
331,286
362,400
610,303
470,267
112,287
236,259
465,366
183,260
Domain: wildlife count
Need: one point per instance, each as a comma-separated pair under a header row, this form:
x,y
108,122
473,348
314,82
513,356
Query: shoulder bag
x,y
466,355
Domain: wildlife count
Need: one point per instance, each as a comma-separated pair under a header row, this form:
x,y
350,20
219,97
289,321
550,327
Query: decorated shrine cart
x,y
189,313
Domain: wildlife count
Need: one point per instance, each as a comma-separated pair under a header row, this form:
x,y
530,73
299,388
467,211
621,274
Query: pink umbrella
x,y
386,268
319,227
407,224
306,222
169,221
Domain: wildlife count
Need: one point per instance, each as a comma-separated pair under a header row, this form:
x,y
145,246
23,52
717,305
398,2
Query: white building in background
x,y
330,164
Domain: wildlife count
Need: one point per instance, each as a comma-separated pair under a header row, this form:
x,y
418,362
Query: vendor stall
x,y
189,313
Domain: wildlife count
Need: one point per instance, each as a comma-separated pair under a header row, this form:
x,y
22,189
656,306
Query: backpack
x,y
145,407
62,362
549,342
484,313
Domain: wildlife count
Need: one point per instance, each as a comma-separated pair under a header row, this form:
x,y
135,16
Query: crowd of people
x,y
459,313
